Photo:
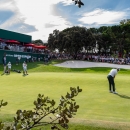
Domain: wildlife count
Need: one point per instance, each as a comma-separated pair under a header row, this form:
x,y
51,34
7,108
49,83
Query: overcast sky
x,y
39,18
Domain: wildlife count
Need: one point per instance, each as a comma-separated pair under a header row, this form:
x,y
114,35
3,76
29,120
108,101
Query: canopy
x,y
1,39
13,42
40,47
29,44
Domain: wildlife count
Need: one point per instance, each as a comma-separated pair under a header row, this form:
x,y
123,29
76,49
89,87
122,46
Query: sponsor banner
x,y
13,56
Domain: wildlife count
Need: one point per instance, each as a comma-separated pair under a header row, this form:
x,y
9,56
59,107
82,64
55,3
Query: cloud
x,y
43,15
23,28
34,17
16,23
6,16
67,2
102,16
49,25
12,19
39,18
7,5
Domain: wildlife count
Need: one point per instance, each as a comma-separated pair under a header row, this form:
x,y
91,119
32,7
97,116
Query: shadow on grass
x,y
123,96
6,74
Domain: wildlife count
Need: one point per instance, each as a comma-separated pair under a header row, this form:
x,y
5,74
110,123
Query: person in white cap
x,y
25,68
9,67
110,78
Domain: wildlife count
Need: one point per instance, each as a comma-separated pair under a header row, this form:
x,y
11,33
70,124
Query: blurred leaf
x,y
77,106
5,103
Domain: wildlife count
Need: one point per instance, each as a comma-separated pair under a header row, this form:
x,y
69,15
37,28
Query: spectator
x,y
4,62
9,67
19,58
25,68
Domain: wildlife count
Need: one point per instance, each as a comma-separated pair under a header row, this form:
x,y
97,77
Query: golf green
x,y
96,103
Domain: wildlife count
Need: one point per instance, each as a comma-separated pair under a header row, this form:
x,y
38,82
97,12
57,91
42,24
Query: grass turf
x,y
97,105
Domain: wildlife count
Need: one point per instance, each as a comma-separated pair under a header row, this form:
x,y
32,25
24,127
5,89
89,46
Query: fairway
x,y
96,103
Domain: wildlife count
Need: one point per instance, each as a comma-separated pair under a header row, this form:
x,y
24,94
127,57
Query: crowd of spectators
x,y
92,57
108,59
19,48
65,56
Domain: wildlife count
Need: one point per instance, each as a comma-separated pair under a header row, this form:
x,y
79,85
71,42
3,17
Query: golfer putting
x,y
111,77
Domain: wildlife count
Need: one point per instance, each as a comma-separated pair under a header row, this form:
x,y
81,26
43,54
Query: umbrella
x,y
1,39
40,47
29,44
13,42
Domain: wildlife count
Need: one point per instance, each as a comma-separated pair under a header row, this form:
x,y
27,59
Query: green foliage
x,y
3,103
45,107
70,40
38,42
104,39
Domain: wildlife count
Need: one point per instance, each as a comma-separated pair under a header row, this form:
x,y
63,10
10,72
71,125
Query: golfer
x,y
25,68
110,78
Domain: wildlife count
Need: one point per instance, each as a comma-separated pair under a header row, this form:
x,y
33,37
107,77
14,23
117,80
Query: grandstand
x,y
15,45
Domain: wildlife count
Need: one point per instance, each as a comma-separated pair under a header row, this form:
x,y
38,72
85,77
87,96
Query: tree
x,y
118,37
125,21
111,39
91,39
103,39
73,40
45,107
38,42
53,39
125,26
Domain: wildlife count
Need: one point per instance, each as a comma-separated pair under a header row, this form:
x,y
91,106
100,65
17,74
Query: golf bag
x,y
18,71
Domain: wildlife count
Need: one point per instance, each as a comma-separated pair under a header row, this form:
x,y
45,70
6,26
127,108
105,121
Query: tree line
x,y
103,40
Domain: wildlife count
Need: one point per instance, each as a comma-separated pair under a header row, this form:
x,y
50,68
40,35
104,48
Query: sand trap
x,y
87,64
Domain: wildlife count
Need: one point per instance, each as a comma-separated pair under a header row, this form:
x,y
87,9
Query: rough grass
x,y
99,109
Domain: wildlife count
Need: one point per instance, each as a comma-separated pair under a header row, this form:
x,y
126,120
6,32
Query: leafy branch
x,y
45,107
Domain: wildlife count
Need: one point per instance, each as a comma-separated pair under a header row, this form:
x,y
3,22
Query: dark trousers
x,y
111,83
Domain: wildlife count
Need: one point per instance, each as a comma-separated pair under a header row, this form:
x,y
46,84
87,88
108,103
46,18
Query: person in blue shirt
x,y
4,62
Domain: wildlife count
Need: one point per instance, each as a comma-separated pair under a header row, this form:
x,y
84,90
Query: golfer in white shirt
x,y
110,78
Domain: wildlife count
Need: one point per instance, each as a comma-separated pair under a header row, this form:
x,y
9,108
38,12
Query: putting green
x,y
95,101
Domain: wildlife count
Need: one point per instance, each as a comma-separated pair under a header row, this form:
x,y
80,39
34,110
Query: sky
x,y
39,18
